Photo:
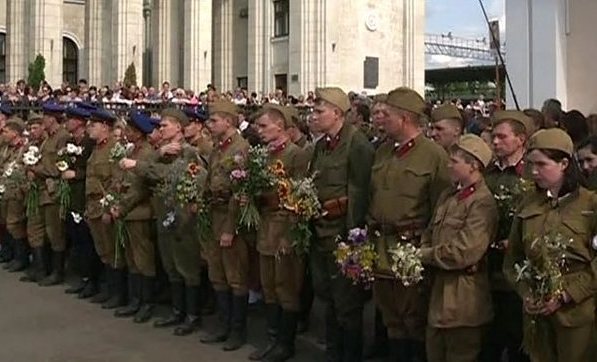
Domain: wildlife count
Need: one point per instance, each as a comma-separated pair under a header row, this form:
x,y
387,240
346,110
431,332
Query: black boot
x,y
193,319
105,292
238,330
119,290
399,351
287,333
37,272
379,348
352,344
208,295
21,259
146,311
57,276
333,336
177,314
418,351
134,304
90,289
224,299
7,251
273,312
77,287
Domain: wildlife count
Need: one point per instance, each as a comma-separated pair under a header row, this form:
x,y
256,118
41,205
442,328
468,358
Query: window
x,y
281,18
2,58
242,82
70,61
281,81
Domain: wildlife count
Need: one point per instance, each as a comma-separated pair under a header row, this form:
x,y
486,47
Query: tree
x,y
130,75
36,72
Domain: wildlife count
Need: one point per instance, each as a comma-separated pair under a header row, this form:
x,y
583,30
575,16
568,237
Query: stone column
x,y
197,44
127,20
45,36
16,52
414,45
166,53
223,44
257,39
94,34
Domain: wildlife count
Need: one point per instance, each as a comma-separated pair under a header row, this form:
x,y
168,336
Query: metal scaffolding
x,y
447,44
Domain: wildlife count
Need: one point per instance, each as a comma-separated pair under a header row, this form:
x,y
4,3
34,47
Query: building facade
x,y
262,45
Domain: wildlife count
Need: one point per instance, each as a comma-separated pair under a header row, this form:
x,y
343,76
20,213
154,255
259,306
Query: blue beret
x,y
141,121
196,114
51,107
103,115
155,121
77,112
6,109
87,106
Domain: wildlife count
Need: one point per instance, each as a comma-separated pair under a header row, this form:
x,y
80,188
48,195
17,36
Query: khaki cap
x,y
477,147
552,139
407,99
380,98
516,116
16,123
177,114
445,111
34,118
284,111
294,114
223,106
335,96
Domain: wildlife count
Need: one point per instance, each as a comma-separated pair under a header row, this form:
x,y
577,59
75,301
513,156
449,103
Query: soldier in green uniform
x,y
196,134
14,193
46,175
587,158
82,253
509,134
298,130
228,256
6,247
560,325
342,162
446,125
99,181
136,210
35,231
454,247
178,245
281,268
407,178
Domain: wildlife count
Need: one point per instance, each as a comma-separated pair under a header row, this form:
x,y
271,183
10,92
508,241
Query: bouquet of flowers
x,y
120,151
250,179
107,203
406,263
300,197
67,157
30,158
542,274
204,228
188,187
356,257
507,199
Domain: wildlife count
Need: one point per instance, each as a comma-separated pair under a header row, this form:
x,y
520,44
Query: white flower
x,y
594,242
71,148
129,147
76,217
33,149
62,166
30,159
2,189
169,220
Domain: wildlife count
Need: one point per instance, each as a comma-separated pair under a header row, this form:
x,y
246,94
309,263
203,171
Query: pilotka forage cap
x,y
552,139
16,123
177,114
334,96
445,111
284,111
223,106
516,116
407,99
477,147
34,118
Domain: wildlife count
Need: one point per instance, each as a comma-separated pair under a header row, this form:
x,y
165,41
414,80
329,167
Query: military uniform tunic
x,y
566,334
14,194
406,184
280,268
228,267
454,248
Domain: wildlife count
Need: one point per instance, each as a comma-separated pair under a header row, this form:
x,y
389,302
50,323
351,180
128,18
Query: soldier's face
x,y
458,169
192,130
587,160
504,141
96,130
9,134
169,128
445,133
324,117
268,128
73,124
36,131
155,137
3,119
218,125
394,124
48,121
379,115
546,172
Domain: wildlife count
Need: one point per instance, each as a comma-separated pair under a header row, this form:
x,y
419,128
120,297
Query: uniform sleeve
x,y
441,180
514,255
151,169
360,161
300,163
137,192
471,242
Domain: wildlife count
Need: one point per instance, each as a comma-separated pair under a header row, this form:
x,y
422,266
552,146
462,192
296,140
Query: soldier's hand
x,y
193,207
115,212
30,175
68,175
243,200
173,148
551,306
127,164
107,218
531,307
226,240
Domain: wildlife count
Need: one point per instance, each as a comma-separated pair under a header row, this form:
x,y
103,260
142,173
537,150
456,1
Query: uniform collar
x,y
404,149
464,193
555,201
275,148
223,145
518,167
102,143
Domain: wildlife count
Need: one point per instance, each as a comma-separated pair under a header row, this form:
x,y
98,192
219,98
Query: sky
x,y
464,18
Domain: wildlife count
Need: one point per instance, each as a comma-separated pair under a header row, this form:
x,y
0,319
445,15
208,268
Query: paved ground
x,y
46,325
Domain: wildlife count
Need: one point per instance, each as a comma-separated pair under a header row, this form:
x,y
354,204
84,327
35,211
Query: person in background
x,y
447,125
587,158
575,124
